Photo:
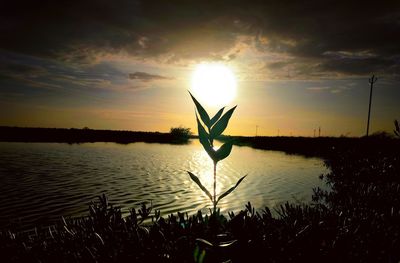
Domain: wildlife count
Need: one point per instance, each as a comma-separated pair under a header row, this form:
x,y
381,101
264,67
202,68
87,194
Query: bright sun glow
x,y
214,84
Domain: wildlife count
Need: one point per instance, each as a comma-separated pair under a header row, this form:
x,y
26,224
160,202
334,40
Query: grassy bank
x,y
358,221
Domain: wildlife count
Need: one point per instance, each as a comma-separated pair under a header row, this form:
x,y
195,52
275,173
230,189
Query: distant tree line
x,y
325,147
18,134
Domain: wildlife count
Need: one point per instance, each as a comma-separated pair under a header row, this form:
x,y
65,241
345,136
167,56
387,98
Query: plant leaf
x,y
216,117
205,242
230,190
224,151
202,255
227,243
397,128
197,181
203,137
203,114
220,126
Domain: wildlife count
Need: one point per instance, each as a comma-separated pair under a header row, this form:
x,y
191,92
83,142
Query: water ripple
x,y
40,182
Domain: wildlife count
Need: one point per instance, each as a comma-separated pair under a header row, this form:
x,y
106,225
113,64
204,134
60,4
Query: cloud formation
x,y
143,76
333,90
30,72
312,39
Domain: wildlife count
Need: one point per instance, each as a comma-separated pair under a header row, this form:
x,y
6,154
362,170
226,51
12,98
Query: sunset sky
x,y
127,65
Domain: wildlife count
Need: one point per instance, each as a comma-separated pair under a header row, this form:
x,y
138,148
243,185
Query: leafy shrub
x,y
180,132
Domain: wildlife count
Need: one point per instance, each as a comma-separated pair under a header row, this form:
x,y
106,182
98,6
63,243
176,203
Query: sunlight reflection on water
x,y
42,181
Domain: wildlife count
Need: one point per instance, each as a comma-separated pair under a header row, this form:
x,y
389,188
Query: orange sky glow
x,y
296,71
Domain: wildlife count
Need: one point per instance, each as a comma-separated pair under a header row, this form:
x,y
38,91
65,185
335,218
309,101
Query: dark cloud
x,y
319,35
143,76
78,30
23,70
38,73
277,65
360,66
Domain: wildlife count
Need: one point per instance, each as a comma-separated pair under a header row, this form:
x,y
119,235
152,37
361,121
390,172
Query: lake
x,y
40,182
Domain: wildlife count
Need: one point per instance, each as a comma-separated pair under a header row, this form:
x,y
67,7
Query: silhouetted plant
x,y
397,128
215,126
180,132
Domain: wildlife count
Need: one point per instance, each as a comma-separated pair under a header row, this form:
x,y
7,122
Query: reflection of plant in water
x,y
215,126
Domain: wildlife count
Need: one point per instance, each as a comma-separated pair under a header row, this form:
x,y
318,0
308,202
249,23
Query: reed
x,y
215,127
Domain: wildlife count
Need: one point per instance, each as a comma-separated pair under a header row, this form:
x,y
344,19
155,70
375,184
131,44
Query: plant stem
x,y
215,187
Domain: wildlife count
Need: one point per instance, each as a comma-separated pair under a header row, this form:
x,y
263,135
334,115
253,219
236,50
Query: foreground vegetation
x,y
357,221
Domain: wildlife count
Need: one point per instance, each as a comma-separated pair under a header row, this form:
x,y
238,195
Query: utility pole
x,y
256,129
319,131
371,81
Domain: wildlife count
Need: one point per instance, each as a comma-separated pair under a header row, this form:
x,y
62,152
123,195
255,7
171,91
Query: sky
x,y
127,65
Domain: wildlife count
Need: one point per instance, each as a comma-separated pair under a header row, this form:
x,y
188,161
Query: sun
x,y
213,84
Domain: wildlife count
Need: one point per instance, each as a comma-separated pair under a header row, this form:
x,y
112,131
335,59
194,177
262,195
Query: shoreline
x,y
72,135
323,147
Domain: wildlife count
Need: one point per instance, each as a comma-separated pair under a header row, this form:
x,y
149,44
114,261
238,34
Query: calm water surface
x,y
39,182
